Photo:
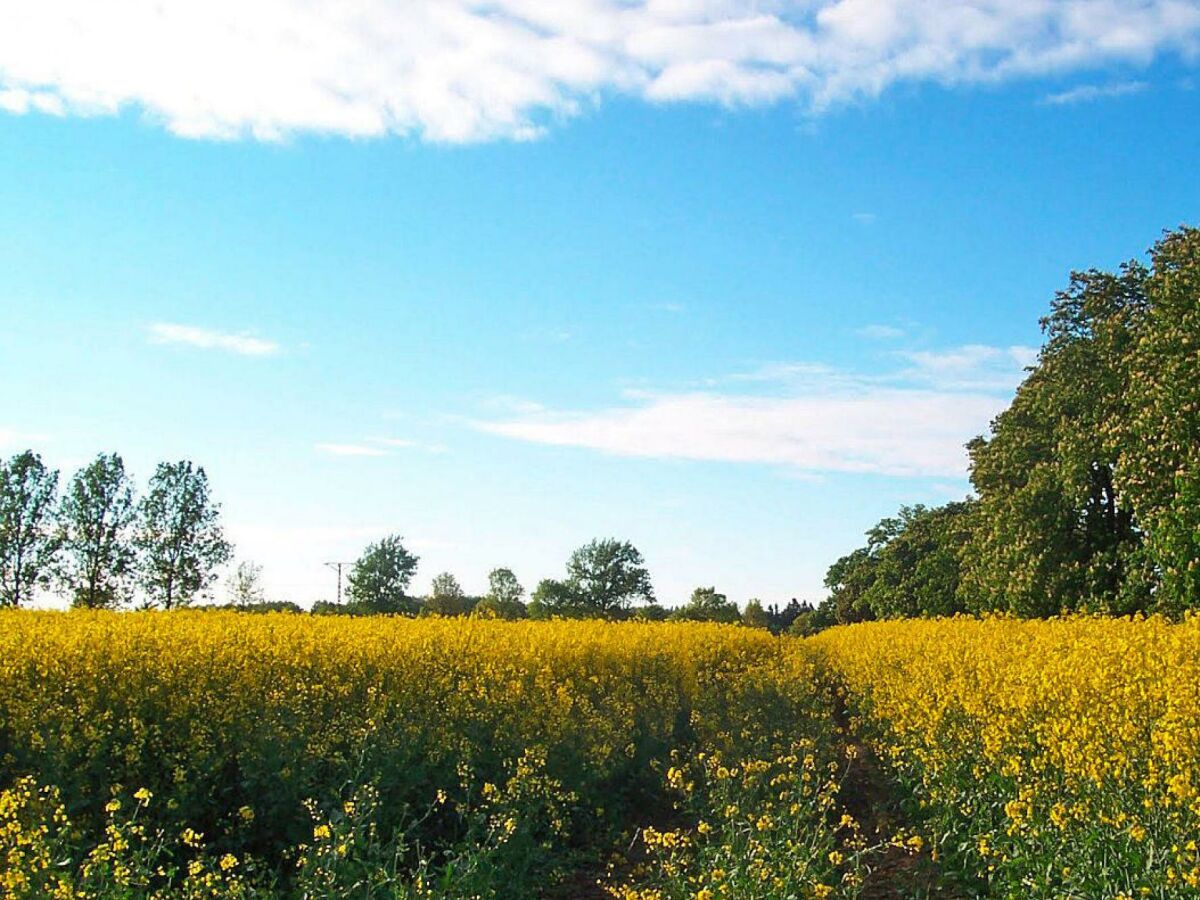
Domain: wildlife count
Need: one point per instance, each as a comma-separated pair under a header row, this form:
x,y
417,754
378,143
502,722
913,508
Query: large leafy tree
x,y
918,569
1053,529
29,541
97,516
909,566
708,605
446,596
503,599
179,535
607,576
552,597
380,578
1159,466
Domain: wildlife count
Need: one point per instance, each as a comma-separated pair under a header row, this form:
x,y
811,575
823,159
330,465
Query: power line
x,y
339,568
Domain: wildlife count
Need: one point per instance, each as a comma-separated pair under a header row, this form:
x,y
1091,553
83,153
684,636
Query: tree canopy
x,y
379,579
97,516
179,535
29,540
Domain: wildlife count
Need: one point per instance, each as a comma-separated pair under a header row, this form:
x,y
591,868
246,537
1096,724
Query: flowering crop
x,y
1052,758
265,737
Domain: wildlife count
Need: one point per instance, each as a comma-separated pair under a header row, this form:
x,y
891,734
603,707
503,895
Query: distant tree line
x,y
98,543
1087,488
605,579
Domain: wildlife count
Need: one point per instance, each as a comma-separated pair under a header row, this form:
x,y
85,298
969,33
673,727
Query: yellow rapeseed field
x,y
407,747
1053,758
216,754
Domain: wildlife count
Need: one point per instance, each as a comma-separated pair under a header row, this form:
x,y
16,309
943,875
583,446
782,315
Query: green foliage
x,y
245,585
179,535
555,598
97,517
1088,484
651,612
1054,530
706,605
503,599
604,578
1159,466
909,567
754,616
28,538
446,597
607,576
380,578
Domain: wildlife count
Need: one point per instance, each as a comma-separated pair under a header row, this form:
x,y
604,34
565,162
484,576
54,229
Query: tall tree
x,y
380,578
179,535
446,596
1159,466
245,584
28,536
1053,529
97,516
503,599
607,576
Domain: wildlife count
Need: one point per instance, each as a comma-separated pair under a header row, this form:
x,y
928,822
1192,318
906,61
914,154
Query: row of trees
x,y
1087,486
97,542
605,578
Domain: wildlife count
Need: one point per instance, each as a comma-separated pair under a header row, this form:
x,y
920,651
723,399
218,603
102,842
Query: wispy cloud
x,y
459,70
349,450
970,367
864,218
880,332
912,421
1086,93
669,307
208,339
377,446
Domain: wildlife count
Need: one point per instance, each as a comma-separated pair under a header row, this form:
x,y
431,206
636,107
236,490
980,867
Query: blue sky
x,y
732,298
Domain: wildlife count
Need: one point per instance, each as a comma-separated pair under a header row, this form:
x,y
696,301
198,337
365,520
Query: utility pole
x,y
338,567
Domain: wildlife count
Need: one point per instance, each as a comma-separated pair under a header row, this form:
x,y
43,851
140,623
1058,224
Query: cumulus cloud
x,y
460,70
207,339
911,422
1086,93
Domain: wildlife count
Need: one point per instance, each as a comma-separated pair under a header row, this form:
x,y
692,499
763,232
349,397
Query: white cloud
x,y
864,218
1088,92
349,450
880,332
205,338
460,70
377,446
911,422
970,367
